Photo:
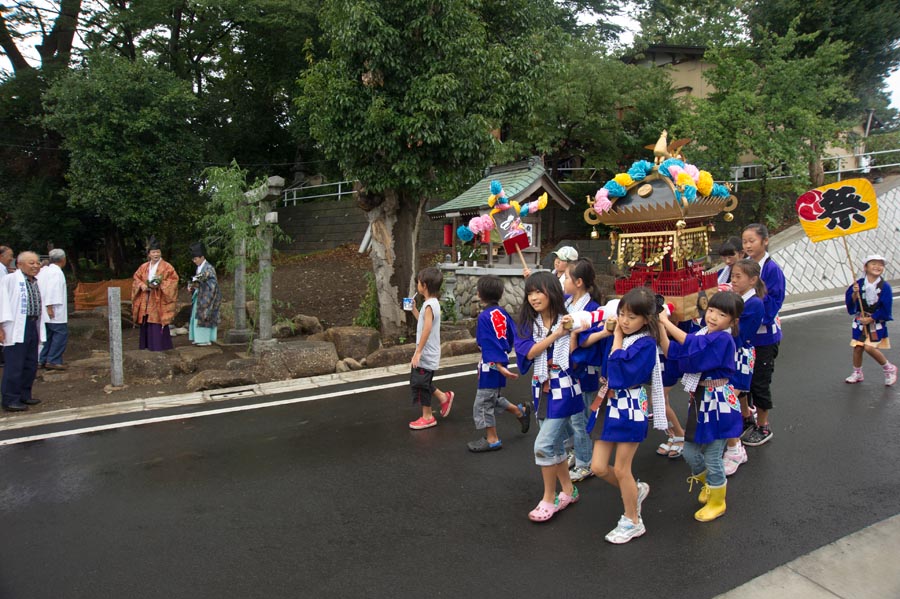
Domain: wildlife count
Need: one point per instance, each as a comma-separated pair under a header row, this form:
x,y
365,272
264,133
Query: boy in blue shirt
x,y
495,336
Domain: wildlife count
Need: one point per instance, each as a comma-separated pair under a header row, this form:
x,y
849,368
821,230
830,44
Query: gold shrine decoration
x,y
652,248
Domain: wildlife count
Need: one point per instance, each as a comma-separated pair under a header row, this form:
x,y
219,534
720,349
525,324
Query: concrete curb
x,y
859,566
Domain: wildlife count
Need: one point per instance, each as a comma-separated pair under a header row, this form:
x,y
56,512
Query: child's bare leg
x,y
627,485
441,396
857,356
600,462
876,355
762,417
745,404
549,474
514,409
427,413
562,475
734,442
490,433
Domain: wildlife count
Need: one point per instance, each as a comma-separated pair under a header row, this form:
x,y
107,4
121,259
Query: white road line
x,y
256,406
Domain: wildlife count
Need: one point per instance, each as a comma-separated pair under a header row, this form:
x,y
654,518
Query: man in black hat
x,y
206,300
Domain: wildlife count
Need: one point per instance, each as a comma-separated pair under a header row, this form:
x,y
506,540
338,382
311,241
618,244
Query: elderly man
x,y
6,261
21,330
52,283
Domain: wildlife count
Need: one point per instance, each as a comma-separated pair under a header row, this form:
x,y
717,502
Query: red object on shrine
x,y
485,237
448,235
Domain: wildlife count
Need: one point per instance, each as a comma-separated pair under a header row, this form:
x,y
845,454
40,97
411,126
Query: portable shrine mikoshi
x,y
663,213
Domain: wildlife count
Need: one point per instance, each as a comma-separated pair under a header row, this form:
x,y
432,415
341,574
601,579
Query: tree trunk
x,y
115,255
816,173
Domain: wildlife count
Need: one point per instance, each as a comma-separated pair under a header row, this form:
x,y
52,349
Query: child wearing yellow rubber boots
x,y
714,416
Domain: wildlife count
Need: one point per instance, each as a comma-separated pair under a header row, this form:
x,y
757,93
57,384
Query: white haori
x,y
14,309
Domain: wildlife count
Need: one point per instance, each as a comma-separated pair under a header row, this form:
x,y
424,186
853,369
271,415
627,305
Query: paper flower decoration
x,y
465,234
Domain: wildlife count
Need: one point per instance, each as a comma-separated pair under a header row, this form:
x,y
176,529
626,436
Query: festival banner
x,y
838,209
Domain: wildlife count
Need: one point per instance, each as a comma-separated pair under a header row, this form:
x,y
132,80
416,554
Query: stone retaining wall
x,y
815,267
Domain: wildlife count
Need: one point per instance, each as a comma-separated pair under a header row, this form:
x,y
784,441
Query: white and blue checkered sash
x,y
690,380
560,349
657,397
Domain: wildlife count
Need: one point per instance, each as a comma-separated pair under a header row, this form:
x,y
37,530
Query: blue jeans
x,y
549,447
577,432
707,457
57,338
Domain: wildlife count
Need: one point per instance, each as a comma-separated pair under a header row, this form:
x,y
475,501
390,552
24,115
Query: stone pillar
x,y
267,218
240,334
114,305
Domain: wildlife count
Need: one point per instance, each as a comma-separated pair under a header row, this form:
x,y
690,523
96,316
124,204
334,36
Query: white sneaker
x,y
733,458
643,491
857,377
625,531
571,457
890,375
579,473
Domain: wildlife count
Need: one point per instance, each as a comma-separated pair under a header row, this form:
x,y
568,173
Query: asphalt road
x,y
337,498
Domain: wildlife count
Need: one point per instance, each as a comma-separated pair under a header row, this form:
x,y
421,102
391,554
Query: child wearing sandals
x,y
870,332
495,336
582,296
428,350
746,282
543,341
619,422
707,358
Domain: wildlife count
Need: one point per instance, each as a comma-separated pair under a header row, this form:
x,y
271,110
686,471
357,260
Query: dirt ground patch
x,y
329,285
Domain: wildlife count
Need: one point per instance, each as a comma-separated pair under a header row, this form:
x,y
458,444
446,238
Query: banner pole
x,y
862,311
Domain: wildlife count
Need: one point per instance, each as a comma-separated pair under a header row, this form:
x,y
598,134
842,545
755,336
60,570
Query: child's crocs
x,y
564,500
445,407
543,512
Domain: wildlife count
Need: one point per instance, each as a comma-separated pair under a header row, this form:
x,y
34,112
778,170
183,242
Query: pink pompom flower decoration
x,y
692,170
601,201
487,223
675,170
475,224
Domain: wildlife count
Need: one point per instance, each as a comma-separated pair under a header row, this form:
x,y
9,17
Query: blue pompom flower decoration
x,y
664,167
615,190
496,187
719,191
640,169
465,234
690,193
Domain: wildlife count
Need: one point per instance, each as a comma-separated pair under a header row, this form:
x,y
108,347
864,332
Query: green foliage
x,y
884,141
771,105
410,90
126,126
594,107
707,23
231,216
448,310
367,315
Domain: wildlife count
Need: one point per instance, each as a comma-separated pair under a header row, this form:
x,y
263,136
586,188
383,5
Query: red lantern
x,y
448,235
485,237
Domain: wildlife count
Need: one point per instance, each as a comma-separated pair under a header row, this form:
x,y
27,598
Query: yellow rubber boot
x,y
704,488
715,507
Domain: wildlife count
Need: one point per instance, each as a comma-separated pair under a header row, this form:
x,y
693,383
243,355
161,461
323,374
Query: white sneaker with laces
x,y
890,375
734,457
625,531
579,473
571,457
857,377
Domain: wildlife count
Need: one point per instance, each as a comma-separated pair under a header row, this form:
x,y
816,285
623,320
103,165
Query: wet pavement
x,y
337,498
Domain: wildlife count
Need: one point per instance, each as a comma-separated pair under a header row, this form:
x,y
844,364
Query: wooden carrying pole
x,y
862,311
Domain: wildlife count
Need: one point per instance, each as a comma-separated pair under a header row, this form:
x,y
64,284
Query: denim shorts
x,y
549,445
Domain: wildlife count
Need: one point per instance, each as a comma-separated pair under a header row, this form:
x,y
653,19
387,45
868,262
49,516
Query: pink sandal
x,y
543,512
445,407
564,500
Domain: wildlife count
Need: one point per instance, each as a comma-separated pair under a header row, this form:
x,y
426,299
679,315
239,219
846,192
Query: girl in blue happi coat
x,y
746,282
714,416
623,412
582,295
542,341
869,331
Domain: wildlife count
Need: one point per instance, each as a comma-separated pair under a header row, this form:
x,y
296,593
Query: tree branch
x,y
10,49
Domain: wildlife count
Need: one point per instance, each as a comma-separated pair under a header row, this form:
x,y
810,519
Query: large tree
x,y
405,102
772,104
127,127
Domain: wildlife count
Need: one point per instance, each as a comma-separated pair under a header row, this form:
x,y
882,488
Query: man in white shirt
x,y
21,330
52,283
6,261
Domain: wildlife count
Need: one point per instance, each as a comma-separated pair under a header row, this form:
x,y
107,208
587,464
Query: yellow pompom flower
x,y
623,179
704,183
542,201
492,199
684,179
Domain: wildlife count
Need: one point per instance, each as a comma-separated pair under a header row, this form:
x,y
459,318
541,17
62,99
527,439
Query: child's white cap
x,y
611,309
871,257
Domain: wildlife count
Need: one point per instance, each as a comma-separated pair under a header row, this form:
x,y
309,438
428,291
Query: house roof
x,y
522,182
673,51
